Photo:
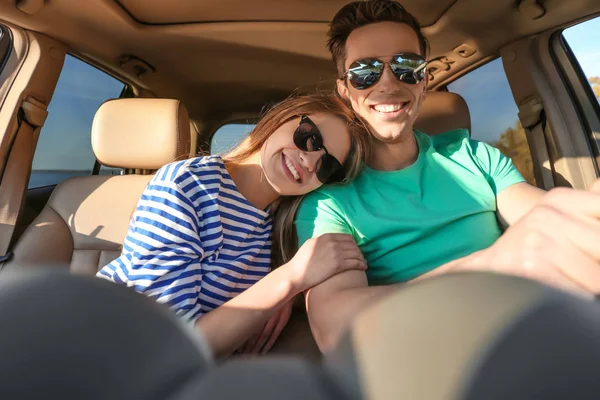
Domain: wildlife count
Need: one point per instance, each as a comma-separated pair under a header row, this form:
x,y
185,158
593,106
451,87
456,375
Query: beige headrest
x,y
141,133
443,112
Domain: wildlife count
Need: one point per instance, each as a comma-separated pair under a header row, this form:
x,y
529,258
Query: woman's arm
x,y
230,325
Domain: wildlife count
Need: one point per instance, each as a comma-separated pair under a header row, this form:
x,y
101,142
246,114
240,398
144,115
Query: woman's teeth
x,y
292,169
389,108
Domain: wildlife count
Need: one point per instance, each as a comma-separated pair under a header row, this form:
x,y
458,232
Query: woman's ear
x,y
342,89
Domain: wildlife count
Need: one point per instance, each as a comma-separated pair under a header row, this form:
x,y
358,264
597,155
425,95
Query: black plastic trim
x,y
6,45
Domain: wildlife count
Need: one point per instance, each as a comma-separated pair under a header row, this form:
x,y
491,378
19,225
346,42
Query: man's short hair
x,y
360,13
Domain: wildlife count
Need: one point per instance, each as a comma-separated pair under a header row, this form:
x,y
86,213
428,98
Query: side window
x,y
584,41
494,114
228,136
64,148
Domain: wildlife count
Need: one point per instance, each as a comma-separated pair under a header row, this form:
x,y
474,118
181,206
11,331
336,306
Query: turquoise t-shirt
x,y
411,221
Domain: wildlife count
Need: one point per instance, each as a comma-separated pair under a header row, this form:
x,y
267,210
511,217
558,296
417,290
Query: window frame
x,y
586,105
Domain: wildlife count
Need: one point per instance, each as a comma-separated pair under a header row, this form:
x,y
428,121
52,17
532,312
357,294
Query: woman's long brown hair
x,y
283,210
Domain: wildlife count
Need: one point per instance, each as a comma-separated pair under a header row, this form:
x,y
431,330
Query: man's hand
x,y
263,341
557,242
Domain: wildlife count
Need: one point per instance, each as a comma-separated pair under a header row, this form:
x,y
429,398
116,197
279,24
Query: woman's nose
x,y
309,159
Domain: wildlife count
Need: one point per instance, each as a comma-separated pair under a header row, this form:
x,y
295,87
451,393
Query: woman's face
x,y
293,172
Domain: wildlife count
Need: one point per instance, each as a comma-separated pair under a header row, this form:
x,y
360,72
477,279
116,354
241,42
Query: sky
x,y
65,143
584,40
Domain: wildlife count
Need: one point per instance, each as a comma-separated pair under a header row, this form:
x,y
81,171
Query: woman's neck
x,y
250,180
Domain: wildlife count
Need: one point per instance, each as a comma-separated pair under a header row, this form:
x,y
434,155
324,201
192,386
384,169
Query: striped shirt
x,y
194,241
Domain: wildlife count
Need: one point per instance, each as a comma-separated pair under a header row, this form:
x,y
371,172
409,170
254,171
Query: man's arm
x,y
332,305
516,201
514,197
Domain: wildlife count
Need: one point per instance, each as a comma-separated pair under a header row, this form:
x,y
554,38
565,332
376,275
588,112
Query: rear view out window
x,y
228,136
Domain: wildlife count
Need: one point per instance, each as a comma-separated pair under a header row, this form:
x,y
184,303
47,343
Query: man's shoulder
x,y
457,140
453,139
458,145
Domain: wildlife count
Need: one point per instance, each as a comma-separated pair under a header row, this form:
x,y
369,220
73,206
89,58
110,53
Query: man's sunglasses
x,y
407,67
307,137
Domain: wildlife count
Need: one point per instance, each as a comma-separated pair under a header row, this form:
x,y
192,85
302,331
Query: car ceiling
x,y
225,58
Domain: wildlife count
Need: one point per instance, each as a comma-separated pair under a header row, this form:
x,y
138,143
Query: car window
x,y
584,41
228,136
64,147
494,114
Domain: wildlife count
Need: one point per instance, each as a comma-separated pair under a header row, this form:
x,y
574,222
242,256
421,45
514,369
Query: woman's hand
x,y
263,341
321,258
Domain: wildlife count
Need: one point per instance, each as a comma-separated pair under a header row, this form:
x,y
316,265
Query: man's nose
x,y
388,81
309,159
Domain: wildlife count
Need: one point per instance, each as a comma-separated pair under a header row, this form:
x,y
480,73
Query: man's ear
x,y
343,90
426,80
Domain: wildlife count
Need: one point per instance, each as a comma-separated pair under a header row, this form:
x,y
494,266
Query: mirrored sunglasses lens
x,y
404,67
364,73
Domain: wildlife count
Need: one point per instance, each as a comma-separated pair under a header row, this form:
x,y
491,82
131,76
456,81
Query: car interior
x,y
95,96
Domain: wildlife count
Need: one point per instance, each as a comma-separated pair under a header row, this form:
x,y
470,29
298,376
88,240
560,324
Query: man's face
x,y
389,106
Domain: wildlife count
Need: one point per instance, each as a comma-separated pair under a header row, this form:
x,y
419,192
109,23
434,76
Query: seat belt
x,y
13,186
533,119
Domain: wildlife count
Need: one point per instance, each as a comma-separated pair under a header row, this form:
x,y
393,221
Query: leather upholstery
x,y
442,112
141,133
85,221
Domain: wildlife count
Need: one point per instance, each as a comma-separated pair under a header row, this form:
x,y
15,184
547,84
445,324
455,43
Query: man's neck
x,y
394,156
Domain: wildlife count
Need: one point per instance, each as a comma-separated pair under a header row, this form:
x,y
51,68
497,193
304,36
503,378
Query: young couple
x,y
207,230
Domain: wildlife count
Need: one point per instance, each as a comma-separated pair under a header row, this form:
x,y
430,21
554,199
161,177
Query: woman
x,y
200,238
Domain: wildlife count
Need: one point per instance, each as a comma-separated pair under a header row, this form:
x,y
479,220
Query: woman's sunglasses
x,y
407,67
307,137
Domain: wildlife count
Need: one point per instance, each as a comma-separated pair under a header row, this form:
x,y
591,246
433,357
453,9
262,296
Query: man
x,y
428,205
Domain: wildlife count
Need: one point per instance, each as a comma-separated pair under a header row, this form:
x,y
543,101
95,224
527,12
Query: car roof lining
x,y
222,69
158,12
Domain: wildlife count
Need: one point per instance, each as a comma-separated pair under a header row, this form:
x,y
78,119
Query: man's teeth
x,y
388,108
292,169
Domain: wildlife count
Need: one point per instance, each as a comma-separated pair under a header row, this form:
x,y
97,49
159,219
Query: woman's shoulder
x,y
196,168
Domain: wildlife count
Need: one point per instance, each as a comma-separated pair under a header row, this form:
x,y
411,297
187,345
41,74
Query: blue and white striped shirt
x,y
194,241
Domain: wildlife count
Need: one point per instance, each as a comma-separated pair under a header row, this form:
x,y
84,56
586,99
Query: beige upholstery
x,y
442,112
140,133
85,221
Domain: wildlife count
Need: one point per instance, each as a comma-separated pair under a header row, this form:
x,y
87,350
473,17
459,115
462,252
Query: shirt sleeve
x,y
498,168
319,214
162,250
